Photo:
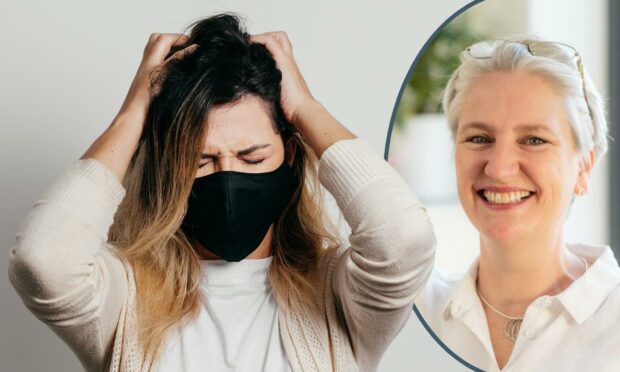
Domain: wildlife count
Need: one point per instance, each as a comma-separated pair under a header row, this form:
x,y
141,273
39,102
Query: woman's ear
x,y
290,150
586,163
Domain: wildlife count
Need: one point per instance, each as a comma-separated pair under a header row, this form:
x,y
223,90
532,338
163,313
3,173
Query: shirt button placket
x,y
529,333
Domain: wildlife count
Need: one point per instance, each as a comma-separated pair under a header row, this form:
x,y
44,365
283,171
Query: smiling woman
x,y
515,153
528,127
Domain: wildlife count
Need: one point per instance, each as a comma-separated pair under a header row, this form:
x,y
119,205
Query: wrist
x,y
307,108
130,116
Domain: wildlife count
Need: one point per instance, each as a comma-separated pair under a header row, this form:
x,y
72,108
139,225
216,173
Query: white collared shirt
x,y
576,330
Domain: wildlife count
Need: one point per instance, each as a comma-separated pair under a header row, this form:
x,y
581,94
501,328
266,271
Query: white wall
x,y
66,66
582,24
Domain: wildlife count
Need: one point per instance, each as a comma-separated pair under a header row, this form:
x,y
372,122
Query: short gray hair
x,y
588,125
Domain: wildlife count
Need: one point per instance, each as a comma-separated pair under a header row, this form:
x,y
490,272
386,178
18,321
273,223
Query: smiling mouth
x,y
512,197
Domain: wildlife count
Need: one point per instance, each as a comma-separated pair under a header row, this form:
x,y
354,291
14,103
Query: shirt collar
x,y
463,304
247,272
586,294
595,285
464,295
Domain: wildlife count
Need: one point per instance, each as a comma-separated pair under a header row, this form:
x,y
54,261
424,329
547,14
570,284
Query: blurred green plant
x,y
431,73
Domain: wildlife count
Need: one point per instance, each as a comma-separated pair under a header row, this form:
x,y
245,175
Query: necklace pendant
x,y
512,329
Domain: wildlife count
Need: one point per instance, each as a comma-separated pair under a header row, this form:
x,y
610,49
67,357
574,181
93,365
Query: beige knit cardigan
x,y
66,274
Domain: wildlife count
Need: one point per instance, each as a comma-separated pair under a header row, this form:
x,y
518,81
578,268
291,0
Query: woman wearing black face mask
x,y
220,164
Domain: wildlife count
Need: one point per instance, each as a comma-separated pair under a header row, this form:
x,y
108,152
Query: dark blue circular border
x,y
412,67
387,150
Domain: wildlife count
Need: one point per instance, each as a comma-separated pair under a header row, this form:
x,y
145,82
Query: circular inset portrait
x,y
501,129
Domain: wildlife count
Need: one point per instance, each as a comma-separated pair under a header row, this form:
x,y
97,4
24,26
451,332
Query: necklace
x,y
511,330
512,327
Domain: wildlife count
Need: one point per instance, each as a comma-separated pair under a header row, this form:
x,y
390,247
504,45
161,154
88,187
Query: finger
x,y
270,42
160,44
165,42
285,42
180,40
278,37
167,39
182,53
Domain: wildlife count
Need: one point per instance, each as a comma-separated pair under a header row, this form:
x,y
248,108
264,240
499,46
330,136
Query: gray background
x,y
66,66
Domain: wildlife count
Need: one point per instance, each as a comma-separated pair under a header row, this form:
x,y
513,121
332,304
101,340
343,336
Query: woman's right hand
x,y
115,147
153,59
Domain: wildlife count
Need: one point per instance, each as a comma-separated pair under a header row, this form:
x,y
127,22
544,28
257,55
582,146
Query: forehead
x,y
506,100
243,122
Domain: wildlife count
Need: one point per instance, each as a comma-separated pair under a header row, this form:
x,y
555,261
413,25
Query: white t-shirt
x,y
576,330
237,328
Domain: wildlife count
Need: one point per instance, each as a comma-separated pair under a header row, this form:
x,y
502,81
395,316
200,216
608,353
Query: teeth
x,y
505,197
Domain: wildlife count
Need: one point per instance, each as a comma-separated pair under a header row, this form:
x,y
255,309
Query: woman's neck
x,y
512,274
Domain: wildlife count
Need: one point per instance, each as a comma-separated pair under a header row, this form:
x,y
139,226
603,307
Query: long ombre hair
x,y
147,227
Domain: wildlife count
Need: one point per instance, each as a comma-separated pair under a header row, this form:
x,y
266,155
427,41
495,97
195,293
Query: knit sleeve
x,y
390,252
62,267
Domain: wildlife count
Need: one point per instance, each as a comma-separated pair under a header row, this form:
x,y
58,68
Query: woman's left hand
x,y
318,126
295,92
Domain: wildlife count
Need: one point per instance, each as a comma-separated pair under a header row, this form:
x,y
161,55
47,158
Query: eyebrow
x,y
477,125
519,128
243,152
535,128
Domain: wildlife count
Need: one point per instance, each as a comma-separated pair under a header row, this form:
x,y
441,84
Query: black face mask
x,y
229,213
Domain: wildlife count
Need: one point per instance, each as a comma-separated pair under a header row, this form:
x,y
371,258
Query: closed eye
x,y
246,161
252,161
